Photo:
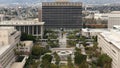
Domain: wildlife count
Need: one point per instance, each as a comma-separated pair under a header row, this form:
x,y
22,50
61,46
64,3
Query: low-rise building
x,y
109,42
91,32
19,64
9,37
113,20
102,16
25,46
31,27
105,16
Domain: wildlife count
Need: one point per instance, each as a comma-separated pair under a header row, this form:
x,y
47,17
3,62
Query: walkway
x,y
63,41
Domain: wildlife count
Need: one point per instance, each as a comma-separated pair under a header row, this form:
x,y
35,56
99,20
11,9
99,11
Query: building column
x,y
28,29
37,31
19,28
32,30
41,31
24,29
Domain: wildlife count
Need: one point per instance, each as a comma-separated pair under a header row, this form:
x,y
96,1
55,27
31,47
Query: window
x,y
113,51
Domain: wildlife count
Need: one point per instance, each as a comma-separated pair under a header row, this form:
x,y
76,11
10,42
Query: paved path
x,y
83,49
63,41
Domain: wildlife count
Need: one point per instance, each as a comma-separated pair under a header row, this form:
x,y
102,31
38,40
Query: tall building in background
x,y
62,14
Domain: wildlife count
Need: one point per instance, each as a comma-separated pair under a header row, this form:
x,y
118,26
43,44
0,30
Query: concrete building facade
x,y
102,16
9,37
92,32
113,19
26,47
62,14
109,43
30,27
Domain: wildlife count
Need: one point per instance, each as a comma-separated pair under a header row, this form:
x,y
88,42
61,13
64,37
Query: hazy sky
x,y
84,1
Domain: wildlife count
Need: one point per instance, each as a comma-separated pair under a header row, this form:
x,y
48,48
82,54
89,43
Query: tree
x,y
94,38
71,42
53,66
52,43
78,50
69,62
47,57
79,58
93,66
18,53
104,61
25,36
46,61
84,26
83,41
84,64
107,65
37,51
45,64
57,58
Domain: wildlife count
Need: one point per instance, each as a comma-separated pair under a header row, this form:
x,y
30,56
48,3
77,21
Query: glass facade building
x,y
66,15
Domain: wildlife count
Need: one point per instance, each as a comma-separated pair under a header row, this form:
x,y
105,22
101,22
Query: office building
x,y
62,14
113,19
9,37
109,42
30,27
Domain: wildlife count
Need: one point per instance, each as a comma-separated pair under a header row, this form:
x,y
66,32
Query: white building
x,y
19,64
105,16
102,16
1,17
92,32
31,27
109,42
9,37
113,20
26,46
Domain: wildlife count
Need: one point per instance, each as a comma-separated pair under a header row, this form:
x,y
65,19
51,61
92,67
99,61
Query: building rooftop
x,y
113,37
115,12
114,15
93,30
21,22
116,27
19,64
9,29
62,3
